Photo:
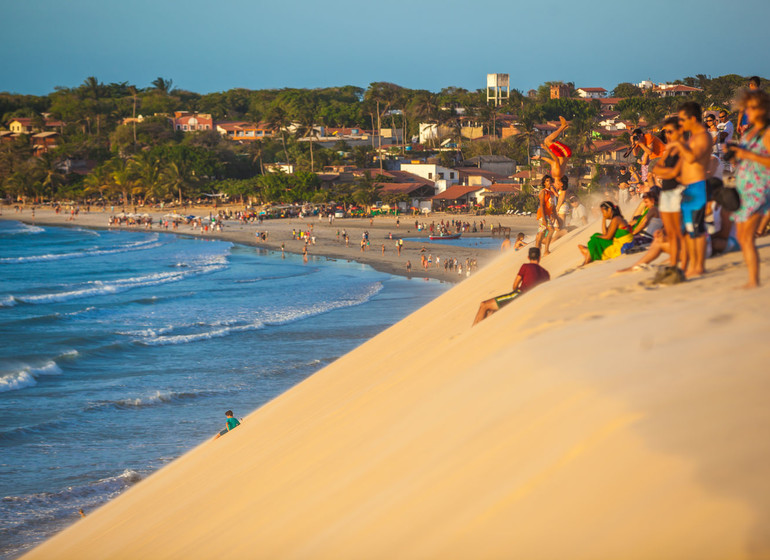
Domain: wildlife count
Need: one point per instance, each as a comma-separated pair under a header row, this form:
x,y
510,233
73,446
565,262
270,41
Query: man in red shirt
x,y
530,275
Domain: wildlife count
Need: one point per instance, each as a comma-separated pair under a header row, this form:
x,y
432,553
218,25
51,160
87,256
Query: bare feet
x,y
563,121
586,254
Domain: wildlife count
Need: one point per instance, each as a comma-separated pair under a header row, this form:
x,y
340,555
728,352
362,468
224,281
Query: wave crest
x,y
27,376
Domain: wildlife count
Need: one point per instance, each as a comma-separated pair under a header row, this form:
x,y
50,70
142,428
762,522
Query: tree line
x,y
150,160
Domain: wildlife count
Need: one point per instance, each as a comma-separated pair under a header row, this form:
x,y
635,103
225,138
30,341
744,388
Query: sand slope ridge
x,y
596,417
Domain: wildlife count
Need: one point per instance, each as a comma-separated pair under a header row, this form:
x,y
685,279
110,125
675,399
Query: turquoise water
x,y
122,350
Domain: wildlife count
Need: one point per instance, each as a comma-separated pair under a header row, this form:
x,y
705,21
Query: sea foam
x,y
150,243
27,376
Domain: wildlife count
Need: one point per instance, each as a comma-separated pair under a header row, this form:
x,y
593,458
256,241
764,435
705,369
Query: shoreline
x,y
327,244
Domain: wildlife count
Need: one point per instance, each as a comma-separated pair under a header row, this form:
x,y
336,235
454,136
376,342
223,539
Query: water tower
x,y
498,88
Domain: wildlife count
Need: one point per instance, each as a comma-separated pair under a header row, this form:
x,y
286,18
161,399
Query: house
x,y
442,176
27,125
609,103
43,142
471,128
560,91
491,195
420,194
521,177
130,120
353,132
242,131
591,92
500,165
187,121
475,176
287,168
433,132
669,90
611,151
457,194
76,166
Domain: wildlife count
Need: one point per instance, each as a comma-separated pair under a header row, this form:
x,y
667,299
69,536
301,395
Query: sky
x,y
209,46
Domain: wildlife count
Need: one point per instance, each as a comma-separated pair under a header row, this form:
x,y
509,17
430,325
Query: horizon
x,y
298,46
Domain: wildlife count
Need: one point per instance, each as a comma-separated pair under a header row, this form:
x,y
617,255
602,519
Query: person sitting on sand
x,y
230,424
530,275
646,219
519,243
615,233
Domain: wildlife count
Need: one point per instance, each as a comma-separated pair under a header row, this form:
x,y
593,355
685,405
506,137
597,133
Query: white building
x,y
432,132
442,176
591,92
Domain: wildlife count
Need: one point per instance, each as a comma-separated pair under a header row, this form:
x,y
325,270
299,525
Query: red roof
x,y
677,88
596,89
405,188
467,171
503,188
457,191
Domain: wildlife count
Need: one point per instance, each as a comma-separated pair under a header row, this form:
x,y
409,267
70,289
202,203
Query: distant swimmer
x,y
231,423
80,511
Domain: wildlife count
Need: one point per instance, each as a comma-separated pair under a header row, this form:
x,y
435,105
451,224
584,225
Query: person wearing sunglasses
x,y
752,177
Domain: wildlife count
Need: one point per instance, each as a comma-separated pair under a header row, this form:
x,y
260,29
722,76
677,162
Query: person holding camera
x,y
647,145
696,156
752,176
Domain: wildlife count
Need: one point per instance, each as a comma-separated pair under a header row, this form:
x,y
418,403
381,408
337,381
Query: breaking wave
x,y
206,331
150,243
108,287
27,376
160,397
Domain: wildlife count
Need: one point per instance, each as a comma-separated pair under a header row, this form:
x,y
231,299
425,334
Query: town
x,y
383,149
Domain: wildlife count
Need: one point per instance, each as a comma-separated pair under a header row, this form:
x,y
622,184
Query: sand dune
x,y
595,417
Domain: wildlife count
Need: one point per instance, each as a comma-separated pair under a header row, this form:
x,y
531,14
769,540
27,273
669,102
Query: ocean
x,y
122,350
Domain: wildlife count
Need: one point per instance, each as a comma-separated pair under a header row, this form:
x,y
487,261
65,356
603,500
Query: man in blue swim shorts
x,y
695,153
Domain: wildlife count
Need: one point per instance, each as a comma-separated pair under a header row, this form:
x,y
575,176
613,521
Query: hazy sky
x,y
207,46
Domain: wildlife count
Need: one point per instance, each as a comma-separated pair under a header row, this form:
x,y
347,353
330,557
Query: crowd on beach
x,y
676,201
677,198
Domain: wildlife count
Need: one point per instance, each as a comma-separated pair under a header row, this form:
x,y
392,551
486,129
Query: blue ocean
x,y
122,350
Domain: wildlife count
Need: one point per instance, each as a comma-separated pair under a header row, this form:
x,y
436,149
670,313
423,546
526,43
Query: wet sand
x,y
327,245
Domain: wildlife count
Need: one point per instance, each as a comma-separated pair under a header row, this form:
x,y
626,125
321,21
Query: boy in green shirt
x,y
230,424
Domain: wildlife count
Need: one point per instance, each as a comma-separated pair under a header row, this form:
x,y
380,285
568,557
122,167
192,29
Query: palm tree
x,y
51,178
367,190
162,85
279,120
123,177
99,180
176,176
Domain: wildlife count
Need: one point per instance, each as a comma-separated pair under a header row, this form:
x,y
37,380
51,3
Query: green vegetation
x,y
149,161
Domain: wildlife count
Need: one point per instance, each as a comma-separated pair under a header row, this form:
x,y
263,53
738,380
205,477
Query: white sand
x,y
593,418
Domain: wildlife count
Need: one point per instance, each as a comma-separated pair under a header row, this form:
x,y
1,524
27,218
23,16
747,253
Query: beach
x,y
598,416
327,243
123,349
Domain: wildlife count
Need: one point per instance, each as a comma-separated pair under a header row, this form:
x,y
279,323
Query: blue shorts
x,y
694,209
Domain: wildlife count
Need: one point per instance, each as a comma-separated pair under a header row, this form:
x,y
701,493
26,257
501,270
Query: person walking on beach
x,y
530,275
230,424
